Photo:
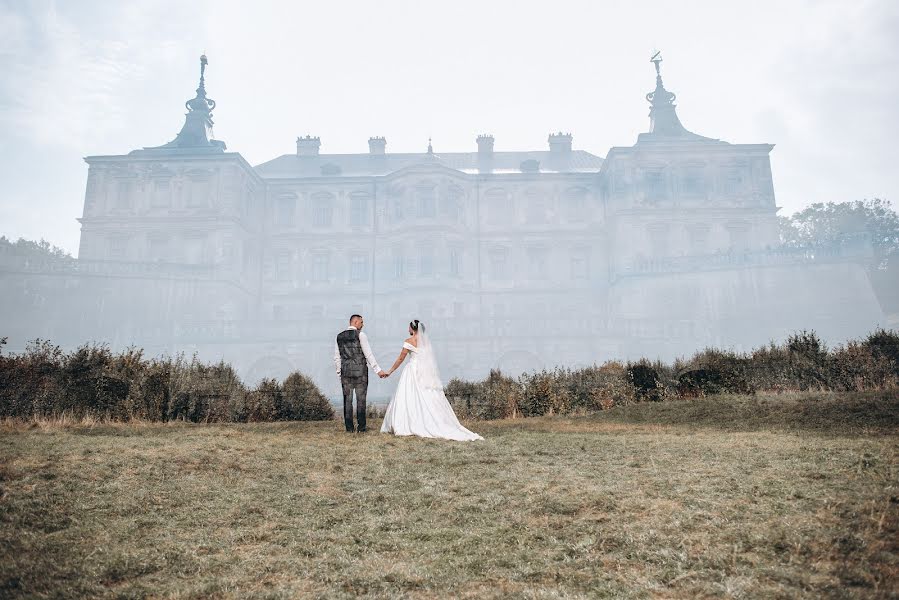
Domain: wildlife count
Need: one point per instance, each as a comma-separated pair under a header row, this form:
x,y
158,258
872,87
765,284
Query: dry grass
x,y
793,496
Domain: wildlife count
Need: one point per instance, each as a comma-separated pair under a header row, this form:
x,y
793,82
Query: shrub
x,y
600,388
493,398
859,366
884,344
263,402
714,372
201,392
644,377
301,400
91,380
545,393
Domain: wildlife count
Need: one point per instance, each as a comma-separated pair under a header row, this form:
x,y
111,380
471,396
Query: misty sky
x,y
817,78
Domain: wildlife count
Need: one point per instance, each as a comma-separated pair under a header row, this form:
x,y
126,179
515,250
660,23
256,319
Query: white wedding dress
x,y
419,406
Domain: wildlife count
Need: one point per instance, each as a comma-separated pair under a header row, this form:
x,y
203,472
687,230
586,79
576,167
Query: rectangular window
x,y
320,268
739,237
399,264
579,265
699,240
658,241
427,203
692,182
118,248
733,181
321,213
277,312
286,212
358,211
158,248
123,195
396,206
537,259
196,190
576,201
426,263
162,193
537,209
194,250
282,265
359,268
654,185
498,264
455,262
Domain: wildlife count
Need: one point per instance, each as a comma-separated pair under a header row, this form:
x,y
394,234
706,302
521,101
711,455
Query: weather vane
x,y
656,59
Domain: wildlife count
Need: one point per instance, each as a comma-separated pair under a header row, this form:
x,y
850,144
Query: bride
x,y
419,406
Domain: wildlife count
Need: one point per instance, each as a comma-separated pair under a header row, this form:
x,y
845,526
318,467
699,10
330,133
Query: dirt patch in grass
x,y
718,497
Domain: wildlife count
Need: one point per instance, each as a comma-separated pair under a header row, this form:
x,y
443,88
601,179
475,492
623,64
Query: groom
x,y
351,353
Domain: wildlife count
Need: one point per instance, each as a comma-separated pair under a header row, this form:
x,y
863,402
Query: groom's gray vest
x,y
352,359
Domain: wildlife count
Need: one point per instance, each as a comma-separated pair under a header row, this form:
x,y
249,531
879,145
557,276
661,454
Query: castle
x,y
516,260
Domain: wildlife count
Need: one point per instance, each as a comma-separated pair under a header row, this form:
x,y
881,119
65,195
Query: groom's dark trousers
x,y
353,377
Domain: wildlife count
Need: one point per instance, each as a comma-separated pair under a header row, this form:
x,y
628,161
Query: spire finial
x,y
430,147
656,60
663,119
197,130
203,63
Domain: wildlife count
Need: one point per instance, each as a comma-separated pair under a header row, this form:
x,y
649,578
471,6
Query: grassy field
x,y
767,496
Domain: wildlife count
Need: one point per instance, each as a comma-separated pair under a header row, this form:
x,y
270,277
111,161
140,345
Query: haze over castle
x,y
517,260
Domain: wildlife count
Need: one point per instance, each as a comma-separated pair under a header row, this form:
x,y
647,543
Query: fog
x,y
252,227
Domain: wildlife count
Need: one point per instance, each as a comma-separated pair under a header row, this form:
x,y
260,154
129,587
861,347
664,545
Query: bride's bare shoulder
x,y
411,341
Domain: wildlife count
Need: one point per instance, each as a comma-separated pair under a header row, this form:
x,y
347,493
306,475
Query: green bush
x,y
884,344
301,400
45,382
497,397
713,371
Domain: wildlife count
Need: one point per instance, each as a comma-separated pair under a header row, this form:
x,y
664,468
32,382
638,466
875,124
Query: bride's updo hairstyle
x,y
414,325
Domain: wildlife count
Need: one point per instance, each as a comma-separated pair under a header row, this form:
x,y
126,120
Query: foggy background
x,y
818,79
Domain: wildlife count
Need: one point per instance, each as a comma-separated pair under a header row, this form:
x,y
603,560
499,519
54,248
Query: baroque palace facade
x,y
516,260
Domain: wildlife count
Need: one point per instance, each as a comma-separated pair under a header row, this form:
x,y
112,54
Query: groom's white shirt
x,y
366,350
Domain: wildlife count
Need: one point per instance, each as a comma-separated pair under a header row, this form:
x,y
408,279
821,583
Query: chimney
x,y
560,143
308,146
485,146
377,146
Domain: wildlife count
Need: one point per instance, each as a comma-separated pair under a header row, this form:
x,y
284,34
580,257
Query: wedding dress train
x,y
419,406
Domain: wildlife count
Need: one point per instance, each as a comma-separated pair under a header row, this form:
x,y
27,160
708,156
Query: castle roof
x,y
290,166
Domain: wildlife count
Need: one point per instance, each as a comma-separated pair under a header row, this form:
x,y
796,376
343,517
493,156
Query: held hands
x,y
383,374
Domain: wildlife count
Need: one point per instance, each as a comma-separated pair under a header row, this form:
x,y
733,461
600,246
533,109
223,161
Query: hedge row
x,y
45,382
802,362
